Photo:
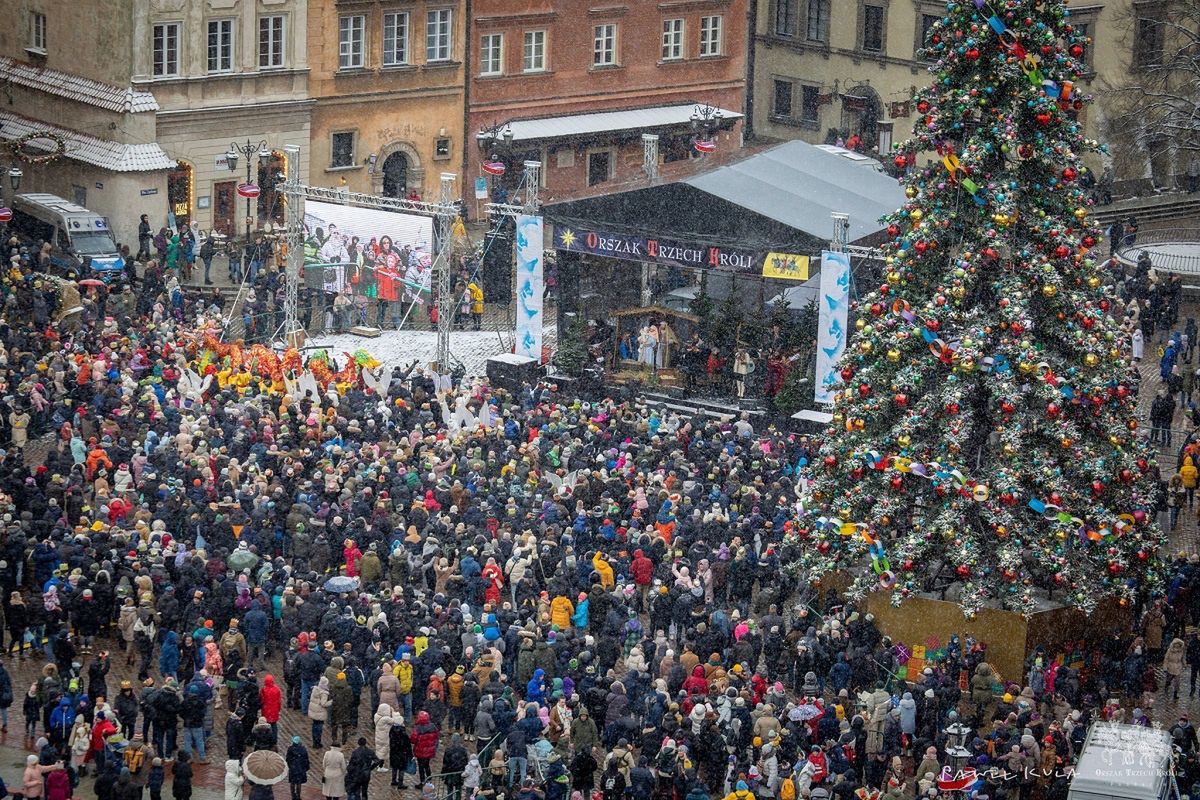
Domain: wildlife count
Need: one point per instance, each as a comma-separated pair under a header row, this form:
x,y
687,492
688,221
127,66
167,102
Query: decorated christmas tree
x,y
983,431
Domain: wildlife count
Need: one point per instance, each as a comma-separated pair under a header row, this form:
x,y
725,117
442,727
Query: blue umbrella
x,y
340,584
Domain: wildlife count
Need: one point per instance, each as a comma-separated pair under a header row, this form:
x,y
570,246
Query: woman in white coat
x,y
235,781
319,703
384,720
333,784
1138,344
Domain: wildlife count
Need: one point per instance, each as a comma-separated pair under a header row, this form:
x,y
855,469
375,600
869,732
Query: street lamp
x,y
247,150
706,121
14,180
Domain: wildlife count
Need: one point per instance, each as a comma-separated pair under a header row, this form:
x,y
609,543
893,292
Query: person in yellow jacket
x,y
404,674
561,609
476,293
604,569
1189,474
740,792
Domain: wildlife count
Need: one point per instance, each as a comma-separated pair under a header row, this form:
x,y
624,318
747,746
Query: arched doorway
x,y
395,175
398,171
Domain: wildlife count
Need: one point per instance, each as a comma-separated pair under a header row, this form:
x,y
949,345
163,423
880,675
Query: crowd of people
x,y
566,599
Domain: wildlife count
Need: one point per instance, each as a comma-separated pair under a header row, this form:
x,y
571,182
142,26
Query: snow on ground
x,y
401,348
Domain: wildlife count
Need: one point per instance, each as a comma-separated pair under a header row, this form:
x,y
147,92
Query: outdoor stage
x,y
401,348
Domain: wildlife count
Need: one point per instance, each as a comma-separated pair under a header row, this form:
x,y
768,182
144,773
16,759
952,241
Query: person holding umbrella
x,y
264,769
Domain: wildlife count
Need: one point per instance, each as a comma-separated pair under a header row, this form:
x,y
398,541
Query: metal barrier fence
x,y
1170,250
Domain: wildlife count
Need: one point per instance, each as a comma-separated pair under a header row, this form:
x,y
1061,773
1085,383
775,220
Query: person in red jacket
x,y
641,569
272,701
352,555
696,684
424,739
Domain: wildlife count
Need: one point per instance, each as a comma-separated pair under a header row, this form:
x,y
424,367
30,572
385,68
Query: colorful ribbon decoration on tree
x,y
1087,533
954,166
1028,63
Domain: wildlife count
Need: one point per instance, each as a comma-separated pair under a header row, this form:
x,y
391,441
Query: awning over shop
x,y
641,120
777,200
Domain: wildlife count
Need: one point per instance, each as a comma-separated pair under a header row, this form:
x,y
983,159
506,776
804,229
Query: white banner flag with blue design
x,y
831,326
529,286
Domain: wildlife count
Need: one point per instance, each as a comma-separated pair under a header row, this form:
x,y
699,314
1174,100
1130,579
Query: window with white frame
x,y
220,45
165,50
437,35
271,41
395,38
350,41
710,36
37,32
491,54
672,49
535,52
604,48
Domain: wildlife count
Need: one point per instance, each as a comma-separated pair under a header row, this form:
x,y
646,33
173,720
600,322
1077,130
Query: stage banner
x,y
831,324
529,286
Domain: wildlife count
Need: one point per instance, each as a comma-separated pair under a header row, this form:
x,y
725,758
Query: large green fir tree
x,y
984,426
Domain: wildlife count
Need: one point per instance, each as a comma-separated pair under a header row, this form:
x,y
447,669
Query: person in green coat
x,y
173,252
341,710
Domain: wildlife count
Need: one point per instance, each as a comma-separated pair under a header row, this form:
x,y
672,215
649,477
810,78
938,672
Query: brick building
x,y
575,84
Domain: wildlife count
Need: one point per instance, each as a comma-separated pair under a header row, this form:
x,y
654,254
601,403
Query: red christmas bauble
x,y
972,53
952,408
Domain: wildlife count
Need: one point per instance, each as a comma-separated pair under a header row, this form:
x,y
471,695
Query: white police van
x,y
80,238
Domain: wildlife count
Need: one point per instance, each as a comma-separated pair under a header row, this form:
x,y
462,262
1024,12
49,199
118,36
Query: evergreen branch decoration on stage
x,y
983,430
